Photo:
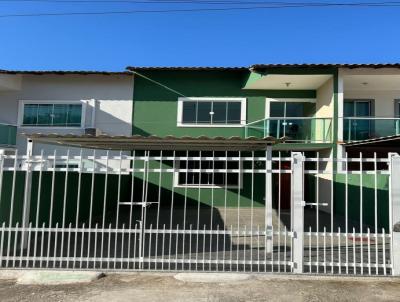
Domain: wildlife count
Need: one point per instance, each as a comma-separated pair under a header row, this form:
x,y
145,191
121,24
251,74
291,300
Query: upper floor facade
x,y
309,107
56,102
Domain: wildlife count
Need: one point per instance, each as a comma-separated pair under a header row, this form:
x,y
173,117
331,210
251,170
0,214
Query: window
x,y
211,111
52,115
210,178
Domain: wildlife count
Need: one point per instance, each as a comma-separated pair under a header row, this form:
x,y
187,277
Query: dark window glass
x,y
57,115
208,178
45,114
189,112
234,112
219,109
277,109
299,109
60,115
74,115
30,114
203,112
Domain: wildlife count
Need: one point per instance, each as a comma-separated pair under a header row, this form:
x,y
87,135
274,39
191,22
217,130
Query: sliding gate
x,y
195,211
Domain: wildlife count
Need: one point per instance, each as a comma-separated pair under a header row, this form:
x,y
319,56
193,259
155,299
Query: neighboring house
x,y
62,102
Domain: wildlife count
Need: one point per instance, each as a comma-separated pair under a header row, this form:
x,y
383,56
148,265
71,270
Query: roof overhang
x,y
138,142
287,81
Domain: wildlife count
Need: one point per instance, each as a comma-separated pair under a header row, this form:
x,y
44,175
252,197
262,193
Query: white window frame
x,y
200,186
268,102
243,113
22,104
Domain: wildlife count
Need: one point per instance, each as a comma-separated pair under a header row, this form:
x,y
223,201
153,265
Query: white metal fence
x,y
198,211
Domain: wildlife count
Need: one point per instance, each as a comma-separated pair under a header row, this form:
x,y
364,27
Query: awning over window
x,y
138,142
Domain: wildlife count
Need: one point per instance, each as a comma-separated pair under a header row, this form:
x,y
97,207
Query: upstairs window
x,y
211,112
52,115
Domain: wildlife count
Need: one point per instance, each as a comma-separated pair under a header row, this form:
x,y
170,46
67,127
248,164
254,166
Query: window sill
x,y
210,125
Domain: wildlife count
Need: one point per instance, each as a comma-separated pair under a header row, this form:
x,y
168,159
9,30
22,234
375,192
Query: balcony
x,y
294,130
362,128
8,135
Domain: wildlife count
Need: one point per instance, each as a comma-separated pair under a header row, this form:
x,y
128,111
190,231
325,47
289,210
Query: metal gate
x,y
242,211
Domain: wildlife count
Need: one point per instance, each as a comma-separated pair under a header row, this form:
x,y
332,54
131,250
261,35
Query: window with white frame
x,y
211,112
208,173
47,114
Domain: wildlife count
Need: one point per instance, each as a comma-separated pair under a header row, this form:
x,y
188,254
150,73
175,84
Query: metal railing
x,y
8,134
298,129
362,128
259,213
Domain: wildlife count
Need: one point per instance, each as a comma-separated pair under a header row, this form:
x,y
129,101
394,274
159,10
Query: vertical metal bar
x,y
279,210
225,201
95,246
38,202
376,211
51,206
317,209
2,243
384,251
69,244
171,213
78,199
104,204
324,250
64,205
251,209
268,197
118,202
212,205
346,213
12,200
184,208
55,246
361,215
91,202
158,206
394,212
238,200
82,246
297,206
369,251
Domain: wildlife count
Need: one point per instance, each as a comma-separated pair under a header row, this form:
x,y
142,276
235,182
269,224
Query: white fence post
x,y
27,193
297,211
394,211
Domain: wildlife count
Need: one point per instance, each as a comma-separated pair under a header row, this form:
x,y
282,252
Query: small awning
x,y
380,144
138,142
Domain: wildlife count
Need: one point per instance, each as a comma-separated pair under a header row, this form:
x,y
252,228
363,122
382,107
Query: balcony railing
x,y
297,130
361,128
8,135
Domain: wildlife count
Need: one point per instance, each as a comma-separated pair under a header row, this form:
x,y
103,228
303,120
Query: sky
x,y
206,38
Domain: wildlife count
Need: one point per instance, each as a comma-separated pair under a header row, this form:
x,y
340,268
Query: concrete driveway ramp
x,y
57,277
211,277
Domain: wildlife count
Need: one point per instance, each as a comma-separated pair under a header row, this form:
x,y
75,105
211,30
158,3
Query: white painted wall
x,y
113,95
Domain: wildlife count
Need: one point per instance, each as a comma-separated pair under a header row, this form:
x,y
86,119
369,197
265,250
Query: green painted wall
x,y
155,107
368,200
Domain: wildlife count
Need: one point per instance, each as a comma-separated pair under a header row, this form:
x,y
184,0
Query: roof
x,y
262,66
329,65
64,72
186,68
138,142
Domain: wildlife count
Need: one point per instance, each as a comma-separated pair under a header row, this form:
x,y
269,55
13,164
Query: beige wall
x,y
384,100
324,107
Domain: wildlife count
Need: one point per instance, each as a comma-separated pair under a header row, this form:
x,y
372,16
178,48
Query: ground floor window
x,y
208,173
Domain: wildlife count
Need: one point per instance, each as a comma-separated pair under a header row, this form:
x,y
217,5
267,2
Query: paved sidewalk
x,y
212,288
